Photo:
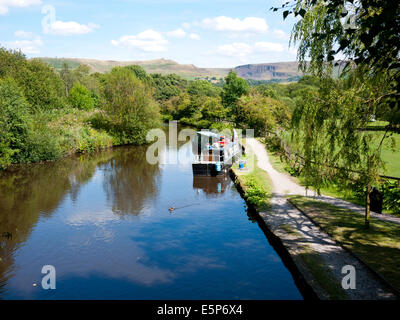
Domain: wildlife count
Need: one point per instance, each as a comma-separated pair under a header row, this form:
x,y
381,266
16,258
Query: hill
x,y
269,71
282,71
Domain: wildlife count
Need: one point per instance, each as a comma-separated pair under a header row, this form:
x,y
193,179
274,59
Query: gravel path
x,y
284,184
368,286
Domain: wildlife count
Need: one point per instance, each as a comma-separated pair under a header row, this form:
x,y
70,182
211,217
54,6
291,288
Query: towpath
x,y
368,285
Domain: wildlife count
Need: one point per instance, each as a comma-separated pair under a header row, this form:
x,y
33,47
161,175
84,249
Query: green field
x,y
390,149
391,154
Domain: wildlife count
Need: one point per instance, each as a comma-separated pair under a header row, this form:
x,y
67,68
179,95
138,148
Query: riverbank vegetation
x,y
47,114
255,182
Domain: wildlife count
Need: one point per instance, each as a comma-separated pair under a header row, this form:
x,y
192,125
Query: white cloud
x,y
149,40
24,34
268,47
280,34
186,25
236,49
249,24
178,33
52,26
6,4
70,28
29,44
194,36
245,52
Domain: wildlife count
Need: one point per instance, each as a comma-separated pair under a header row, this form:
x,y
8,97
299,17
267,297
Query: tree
x,y
12,63
81,98
81,72
366,32
233,89
140,73
213,110
130,110
166,87
67,77
267,91
15,122
42,86
261,113
203,88
327,123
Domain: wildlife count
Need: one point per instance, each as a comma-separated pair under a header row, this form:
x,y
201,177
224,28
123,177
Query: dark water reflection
x,y
103,221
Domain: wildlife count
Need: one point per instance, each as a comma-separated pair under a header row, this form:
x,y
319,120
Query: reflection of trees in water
x,y
211,186
30,191
129,180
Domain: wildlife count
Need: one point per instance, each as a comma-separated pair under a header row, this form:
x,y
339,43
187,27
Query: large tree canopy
x,y
366,33
329,125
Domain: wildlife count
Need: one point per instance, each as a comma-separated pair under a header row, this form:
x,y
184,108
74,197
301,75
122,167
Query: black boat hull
x,y
210,169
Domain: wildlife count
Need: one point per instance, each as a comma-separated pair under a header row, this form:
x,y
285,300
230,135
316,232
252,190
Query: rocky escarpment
x,y
268,71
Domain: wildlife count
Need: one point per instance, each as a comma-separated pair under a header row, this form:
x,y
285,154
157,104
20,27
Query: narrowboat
x,y
215,153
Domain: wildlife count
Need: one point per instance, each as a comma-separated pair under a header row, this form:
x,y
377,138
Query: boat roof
x,y
208,134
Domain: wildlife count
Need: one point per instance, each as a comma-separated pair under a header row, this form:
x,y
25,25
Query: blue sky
x,y
218,33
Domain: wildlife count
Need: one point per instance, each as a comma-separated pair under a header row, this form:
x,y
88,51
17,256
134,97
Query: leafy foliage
x,y
37,123
130,110
261,113
203,88
366,32
14,122
140,73
80,97
255,194
234,88
391,198
166,87
20,140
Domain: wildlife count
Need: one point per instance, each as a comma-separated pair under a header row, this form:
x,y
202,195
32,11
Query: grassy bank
x,y
378,247
63,132
255,182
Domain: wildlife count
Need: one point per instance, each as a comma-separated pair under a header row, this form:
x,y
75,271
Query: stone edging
x,y
380,277
302,277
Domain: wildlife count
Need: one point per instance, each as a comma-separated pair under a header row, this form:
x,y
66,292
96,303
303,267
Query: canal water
x,y
103,221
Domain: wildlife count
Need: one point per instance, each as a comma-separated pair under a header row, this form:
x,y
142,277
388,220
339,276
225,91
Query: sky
x,y
206,33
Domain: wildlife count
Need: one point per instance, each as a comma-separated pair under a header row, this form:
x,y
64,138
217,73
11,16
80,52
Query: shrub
x,y
43,88
254,193
391,197
81,98
15,123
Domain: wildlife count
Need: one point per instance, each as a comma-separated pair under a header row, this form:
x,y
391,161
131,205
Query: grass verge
x,y
255,182
320,271
378,247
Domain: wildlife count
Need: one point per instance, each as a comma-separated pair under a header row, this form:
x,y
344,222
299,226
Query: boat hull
x,y
211,169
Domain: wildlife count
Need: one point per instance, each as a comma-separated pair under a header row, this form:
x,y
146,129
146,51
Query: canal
x,y
103,221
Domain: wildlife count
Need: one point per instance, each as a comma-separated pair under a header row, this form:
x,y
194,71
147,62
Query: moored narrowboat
x,y
215,153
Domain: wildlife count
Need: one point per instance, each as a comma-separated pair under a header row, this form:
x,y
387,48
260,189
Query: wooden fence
x,y
289,154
